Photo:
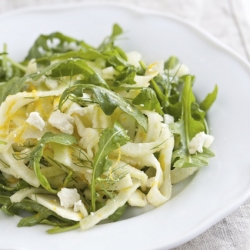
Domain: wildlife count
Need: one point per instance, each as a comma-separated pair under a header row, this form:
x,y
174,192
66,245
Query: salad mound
x,y
86,132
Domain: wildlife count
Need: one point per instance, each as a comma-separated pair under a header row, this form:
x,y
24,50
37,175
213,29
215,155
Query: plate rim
x,y
131,7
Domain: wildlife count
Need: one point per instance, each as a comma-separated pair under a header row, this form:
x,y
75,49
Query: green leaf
x,y
42,48
8,67
107,99
11,87
4,199
148,100
10,71
91,54
62,138
117,30
118,213
37,154
185,160
171,62
39,213
190,125
126,76
4,185
114,59
69,67
110,139
59,229
108,41
35,219
97,80
186,128
209,100
194,161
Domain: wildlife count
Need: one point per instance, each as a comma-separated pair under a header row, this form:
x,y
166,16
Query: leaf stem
x,y
57,229
17,65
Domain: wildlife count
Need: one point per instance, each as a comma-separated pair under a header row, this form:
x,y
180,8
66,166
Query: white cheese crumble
x,y
79,206
36,120
68,197
62,121
199,141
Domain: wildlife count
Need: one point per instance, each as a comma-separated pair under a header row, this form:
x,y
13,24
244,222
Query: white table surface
x,y
228,21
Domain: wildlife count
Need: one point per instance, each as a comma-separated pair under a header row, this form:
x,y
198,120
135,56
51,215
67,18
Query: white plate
x,y
213,192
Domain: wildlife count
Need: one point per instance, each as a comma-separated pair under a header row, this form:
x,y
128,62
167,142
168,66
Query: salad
x,y
86,132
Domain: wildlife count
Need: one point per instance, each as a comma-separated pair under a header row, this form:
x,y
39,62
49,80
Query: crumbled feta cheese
x,y
68,197
62,121
199,141
168,119
79,206
36,120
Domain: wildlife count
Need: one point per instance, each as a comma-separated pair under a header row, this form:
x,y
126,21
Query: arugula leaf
x,y
60,229
186,128
110,139
3,199
72,67
42,214
126,76
39,213
115,59
37,154
107,99
10,72
4,185
209,100
68,67
118,213
8,67
7,70
148,100
191,126
182,159
11,87
41,46
170,93
55,46
166,91
108,41
171,62
90,54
